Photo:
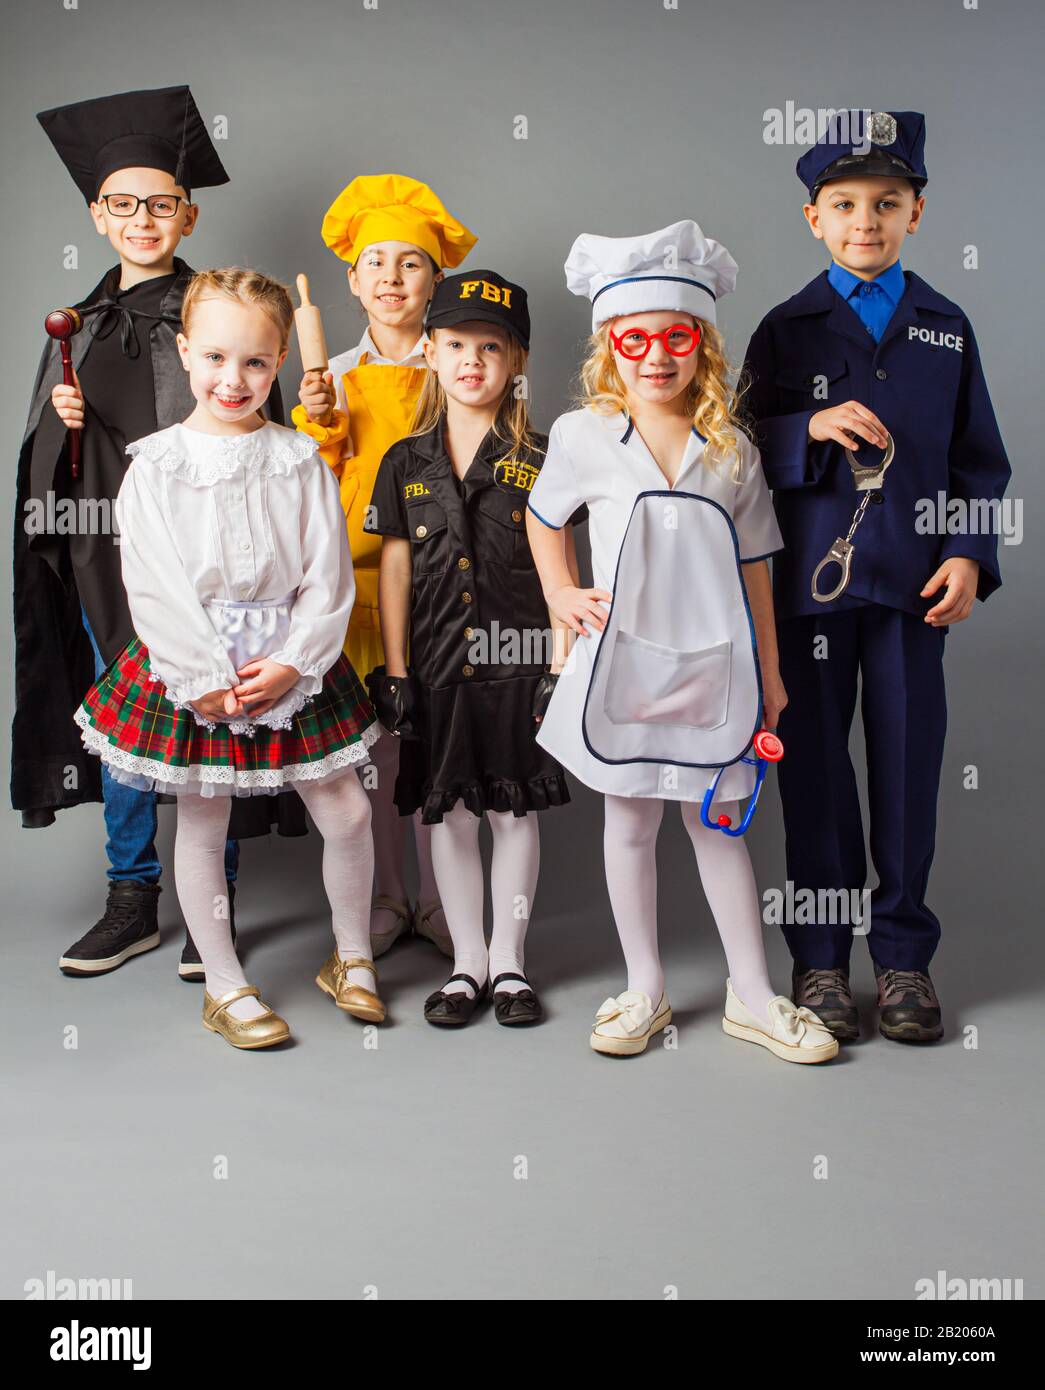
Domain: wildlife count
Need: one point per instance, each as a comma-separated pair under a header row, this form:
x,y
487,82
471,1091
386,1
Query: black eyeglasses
x,y
159,204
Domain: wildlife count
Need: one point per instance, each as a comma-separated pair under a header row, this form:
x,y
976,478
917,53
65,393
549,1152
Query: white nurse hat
x,y
675,268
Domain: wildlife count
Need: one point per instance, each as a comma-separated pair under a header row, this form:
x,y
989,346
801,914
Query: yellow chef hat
x,y
394,207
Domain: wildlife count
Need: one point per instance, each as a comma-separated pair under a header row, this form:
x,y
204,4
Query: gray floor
x,y
691,1168
351,1170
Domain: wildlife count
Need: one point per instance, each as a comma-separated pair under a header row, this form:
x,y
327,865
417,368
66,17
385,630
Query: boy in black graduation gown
x,y
135,158
866,351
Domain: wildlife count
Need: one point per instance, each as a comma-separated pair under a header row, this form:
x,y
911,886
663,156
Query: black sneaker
x,y
127,928
191,967
910,1010
827,993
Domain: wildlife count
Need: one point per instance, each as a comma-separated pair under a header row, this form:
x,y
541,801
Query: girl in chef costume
x,y
662,693
239,580
397,238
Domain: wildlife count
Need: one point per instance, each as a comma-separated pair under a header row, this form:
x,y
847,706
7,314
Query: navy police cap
x,y
864,144
481,295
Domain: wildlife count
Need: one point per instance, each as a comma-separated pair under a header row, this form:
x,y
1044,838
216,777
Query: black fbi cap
x,y
481,295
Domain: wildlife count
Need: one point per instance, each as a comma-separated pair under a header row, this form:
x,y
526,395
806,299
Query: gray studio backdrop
x,y
636,113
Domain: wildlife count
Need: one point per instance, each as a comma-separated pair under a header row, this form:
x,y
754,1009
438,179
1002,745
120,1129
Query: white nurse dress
x,y
670,691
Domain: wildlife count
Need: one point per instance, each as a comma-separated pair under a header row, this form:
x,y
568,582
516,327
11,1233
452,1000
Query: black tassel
x,y
179,171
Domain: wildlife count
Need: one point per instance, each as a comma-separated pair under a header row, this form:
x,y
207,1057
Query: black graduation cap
x,y
158,129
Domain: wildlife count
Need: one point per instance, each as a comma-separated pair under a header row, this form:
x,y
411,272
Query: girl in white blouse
x,y
239,582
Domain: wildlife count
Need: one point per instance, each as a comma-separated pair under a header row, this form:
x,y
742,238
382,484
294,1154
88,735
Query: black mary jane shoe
x,y
519,1009
455,1009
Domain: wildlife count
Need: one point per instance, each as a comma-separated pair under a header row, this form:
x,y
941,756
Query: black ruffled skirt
x,y
480,747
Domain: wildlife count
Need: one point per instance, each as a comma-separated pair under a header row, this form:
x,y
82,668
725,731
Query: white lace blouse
x,y
227,538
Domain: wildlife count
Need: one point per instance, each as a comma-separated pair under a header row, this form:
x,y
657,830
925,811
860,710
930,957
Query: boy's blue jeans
x,y
130,819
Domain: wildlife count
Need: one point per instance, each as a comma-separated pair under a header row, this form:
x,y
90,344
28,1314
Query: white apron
x,y
670,692
252,629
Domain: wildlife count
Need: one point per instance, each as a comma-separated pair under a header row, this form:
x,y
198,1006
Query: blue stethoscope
x,y
767,749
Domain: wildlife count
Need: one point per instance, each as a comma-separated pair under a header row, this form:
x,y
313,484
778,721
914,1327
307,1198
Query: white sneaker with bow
x,y
794,1034
625,1025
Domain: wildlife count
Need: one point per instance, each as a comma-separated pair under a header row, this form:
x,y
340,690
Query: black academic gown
x,y
133,382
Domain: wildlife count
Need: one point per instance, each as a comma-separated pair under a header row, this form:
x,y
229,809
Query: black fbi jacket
x,y
472,565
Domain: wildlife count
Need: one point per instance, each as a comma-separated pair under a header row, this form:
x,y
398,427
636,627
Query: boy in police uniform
x,y
865,352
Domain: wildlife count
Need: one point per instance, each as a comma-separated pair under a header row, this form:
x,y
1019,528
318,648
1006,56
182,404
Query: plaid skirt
x,y
145,742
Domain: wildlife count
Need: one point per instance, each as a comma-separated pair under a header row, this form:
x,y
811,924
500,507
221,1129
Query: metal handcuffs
x,y
868,479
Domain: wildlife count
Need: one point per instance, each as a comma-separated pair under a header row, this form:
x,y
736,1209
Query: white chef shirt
x,y
603,461
210,518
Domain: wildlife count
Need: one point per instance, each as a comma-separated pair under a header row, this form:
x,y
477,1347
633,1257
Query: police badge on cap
x,y
867,144
881,128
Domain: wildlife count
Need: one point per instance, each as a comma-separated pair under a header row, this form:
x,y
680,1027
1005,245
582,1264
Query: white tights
x,y
513,882
389,829
630,845
341,812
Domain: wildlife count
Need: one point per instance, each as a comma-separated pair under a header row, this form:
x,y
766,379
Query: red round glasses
x,y
680,340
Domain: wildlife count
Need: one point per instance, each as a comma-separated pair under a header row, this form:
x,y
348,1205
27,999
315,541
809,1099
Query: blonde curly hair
x,y
710,399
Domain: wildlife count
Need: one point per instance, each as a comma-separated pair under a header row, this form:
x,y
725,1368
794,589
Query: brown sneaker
x,y
827,993
910,1010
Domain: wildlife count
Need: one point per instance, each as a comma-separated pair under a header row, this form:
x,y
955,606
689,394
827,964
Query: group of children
x,y
416,515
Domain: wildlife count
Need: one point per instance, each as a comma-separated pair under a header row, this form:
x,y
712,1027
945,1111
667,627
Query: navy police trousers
x,y
899,661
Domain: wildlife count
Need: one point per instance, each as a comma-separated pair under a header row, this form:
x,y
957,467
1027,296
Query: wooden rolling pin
x,y
311,340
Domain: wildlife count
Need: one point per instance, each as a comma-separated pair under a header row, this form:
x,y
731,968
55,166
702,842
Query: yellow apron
x,y
381,402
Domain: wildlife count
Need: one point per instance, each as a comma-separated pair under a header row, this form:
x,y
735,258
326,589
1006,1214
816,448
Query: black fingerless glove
x,y
542,695
396,701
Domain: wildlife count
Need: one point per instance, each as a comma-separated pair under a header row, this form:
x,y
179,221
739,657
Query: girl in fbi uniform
x,y
397,237
458,581
663,683
239,580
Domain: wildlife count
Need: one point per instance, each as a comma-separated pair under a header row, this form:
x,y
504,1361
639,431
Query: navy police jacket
x,y
925,383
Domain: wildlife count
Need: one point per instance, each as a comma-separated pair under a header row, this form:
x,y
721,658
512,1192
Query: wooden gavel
x,y
62,324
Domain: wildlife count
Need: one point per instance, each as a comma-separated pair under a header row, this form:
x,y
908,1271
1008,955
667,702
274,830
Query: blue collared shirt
x,y
873,301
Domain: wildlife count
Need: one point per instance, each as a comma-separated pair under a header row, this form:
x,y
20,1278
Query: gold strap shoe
x,y
426,926
402,920
266,1031
354,999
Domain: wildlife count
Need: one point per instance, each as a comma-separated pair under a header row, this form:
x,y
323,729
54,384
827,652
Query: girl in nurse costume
x,y
239,581
662,687
397,238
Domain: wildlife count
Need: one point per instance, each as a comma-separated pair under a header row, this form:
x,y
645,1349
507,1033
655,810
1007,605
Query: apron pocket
x,y
652,684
